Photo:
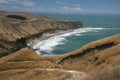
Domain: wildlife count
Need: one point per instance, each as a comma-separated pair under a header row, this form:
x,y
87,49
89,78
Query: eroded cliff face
x,y
14,26
91,62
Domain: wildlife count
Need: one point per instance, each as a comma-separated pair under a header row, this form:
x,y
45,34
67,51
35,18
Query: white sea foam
x,y
49,44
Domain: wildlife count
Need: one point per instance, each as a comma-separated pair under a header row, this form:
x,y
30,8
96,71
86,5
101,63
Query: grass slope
x,y
98,60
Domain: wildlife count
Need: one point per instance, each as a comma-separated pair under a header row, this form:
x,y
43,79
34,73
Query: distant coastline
x,y
33,41
19,27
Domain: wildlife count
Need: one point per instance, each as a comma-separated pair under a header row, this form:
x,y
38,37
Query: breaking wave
x,y
46,47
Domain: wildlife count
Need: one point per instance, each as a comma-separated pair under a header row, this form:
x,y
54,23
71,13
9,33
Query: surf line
x,y
47,46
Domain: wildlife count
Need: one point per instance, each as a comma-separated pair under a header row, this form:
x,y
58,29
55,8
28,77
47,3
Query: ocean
x,y
94,27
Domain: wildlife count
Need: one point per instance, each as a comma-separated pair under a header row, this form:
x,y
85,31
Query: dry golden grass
x,y
26,54
105,54
109,70
102,43
93,54
25,59
106,73
34,74
12,28
100,60
2,50
23,55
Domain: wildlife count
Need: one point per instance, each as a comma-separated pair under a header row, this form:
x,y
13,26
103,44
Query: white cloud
x,y
18,2
60,2
77,8
71,8
65,8
26,3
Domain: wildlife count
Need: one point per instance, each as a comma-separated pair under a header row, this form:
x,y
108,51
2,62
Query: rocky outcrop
x,y
91,62
14,26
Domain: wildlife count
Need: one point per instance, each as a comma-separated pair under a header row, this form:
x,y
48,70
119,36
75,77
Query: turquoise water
x,y
91,20
94,27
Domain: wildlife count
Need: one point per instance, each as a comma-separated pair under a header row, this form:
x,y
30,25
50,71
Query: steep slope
x,y
98,60
14,26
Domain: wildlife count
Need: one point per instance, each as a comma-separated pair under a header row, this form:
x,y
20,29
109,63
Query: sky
x,y
62,6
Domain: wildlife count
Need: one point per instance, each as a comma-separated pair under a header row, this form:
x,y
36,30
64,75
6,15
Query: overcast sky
x,y
62,6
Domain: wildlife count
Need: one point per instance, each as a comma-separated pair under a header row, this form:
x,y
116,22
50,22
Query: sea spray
x,y
46,47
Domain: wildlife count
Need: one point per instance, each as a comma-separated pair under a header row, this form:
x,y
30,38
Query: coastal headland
x,y
15,31
98,60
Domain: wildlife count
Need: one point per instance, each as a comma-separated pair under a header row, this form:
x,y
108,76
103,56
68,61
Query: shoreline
x,y
33,41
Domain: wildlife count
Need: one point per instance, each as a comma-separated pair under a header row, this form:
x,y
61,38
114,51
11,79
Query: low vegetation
x,y
16,17
100,62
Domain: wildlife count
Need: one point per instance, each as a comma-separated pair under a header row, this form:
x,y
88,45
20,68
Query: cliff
x,y
98,60
15,28
91,62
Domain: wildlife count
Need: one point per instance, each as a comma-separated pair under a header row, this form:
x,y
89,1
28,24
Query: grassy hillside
x,y
16,28
98,60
